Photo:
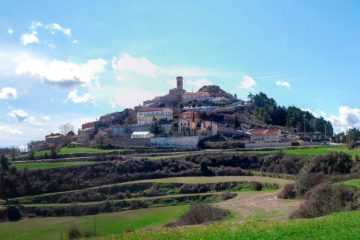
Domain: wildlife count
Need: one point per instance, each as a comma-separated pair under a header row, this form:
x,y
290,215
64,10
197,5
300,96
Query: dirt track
x,y
259,206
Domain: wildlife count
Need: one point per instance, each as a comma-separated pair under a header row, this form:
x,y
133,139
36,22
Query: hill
x,y
216,91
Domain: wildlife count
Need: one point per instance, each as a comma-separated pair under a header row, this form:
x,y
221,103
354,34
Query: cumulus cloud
x,y
126,64
19,114
30,38
283,84
8,93
55,27
348,118
74,97
9,130
127,67
247,83
61,73
198,83
10,31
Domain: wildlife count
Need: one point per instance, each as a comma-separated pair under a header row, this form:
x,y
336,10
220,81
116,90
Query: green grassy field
x,y
312,151
48,165
111,223
76,150
338,226
353,182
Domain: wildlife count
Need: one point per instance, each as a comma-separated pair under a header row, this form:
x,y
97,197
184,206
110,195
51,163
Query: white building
x,y
137,135
147,115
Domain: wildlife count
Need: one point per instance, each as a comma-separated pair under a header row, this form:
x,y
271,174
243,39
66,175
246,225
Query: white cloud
x,y
85,98
75,41
283,84
8,93
35,24
20,115
247,83
29,38
53,27
198,83
126,64
9,130
348,118
10,31
61,73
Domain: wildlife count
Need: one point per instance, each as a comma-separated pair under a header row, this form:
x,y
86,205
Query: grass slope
x,y
76,150
353,182
313,151
110,223
47,165
339,226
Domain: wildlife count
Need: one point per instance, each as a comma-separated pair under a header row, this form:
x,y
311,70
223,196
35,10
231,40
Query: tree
x,y
155,127
66,128
4,162
14,213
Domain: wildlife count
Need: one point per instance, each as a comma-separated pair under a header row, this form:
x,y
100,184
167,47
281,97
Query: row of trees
x,y
267,110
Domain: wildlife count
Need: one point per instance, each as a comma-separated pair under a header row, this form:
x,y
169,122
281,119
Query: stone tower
x,y
179,82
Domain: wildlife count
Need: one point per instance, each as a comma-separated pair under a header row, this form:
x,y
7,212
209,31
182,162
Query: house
x,y
147,115
265,135
127,130
88,125
192,96
54,138
190,116
85,135
38,146
137,135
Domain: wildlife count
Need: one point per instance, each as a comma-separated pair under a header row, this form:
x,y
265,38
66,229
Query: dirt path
x,y
259,206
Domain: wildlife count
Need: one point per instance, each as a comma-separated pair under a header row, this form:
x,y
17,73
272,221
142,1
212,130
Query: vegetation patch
x,y
49,165
200,214
340,226
353,182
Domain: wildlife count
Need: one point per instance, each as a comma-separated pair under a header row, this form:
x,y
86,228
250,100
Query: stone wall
x,y
120,142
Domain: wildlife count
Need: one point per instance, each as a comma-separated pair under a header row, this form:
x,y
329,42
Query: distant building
x,y
147,115
88,125
127,130
147,134
85,135
190,116
198,96
39,146
265,135
54,138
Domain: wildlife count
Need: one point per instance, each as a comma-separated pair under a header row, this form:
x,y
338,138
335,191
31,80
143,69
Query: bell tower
x,y
179,83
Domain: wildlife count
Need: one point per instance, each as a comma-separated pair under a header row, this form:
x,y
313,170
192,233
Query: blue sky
x,y
72,61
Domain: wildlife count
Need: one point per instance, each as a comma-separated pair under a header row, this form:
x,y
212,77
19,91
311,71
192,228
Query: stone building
x,y
145,116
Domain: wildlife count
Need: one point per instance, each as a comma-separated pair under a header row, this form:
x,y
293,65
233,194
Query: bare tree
x,y
66,128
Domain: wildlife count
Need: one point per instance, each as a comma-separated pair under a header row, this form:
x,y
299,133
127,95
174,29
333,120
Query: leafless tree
x,y
66,128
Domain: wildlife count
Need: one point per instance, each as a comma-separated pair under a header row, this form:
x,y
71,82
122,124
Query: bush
x,y
333,163
325,198
201,213
306,181
227,195
13,213
288,192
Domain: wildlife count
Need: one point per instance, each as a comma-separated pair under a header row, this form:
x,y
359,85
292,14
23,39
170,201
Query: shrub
x,y
333,163
325,198
227,195
201,213
288,192
306,181
13,213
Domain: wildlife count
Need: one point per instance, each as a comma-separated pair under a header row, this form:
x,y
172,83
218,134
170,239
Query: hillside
x,y
338,226
216,91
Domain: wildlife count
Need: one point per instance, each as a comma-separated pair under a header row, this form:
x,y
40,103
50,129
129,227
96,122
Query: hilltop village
x,y
182,119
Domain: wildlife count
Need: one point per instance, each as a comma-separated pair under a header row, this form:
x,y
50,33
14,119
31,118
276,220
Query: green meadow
x,y
55,228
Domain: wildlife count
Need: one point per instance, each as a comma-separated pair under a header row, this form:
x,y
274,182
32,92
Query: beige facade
x,y
147,115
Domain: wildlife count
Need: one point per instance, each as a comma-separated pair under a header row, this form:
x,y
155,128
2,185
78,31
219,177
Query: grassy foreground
x,y
111,223
47,165
339,226
313,151
353,182
76,150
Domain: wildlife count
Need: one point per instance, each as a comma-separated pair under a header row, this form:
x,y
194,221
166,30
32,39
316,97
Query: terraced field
x,y
48,165
56,228
338,226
